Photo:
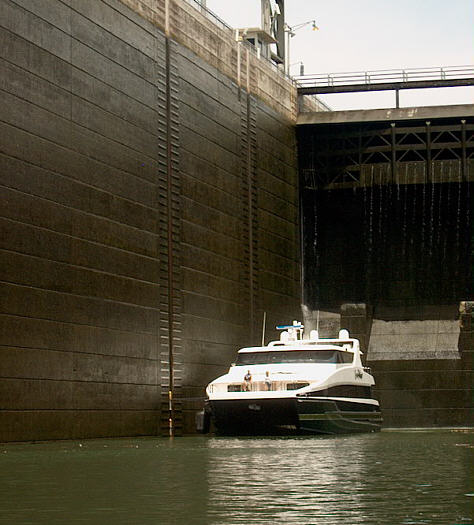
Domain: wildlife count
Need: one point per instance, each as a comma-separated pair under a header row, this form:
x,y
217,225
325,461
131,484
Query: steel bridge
x,y
383,80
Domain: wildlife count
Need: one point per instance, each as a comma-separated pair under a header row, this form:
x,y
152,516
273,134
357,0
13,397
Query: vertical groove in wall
x,y
249,204
170,279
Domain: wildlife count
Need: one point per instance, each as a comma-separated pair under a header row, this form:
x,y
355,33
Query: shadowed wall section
x,y
388,250
80,299
149,217
239,256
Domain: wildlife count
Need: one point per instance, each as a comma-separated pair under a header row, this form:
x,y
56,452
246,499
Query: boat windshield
x,y
294,356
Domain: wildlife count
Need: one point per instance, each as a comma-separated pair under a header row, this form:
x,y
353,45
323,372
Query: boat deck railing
x,y
258,386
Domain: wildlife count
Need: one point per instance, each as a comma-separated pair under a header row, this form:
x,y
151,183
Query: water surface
x,y
385,478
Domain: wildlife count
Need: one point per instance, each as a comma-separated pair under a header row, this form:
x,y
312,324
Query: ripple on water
x,y
387,478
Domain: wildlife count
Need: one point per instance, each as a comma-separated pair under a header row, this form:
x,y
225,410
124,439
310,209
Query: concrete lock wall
x,y
149,211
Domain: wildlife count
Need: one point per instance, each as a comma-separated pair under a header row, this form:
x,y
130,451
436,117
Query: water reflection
x,y
385,478
394,478
289,480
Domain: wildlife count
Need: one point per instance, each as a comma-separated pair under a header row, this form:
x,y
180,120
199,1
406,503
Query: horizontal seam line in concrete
x,y
219,76
218,211
216,233
69,64
216,277
285,258
269,211
272,193
266,131
177,36
289,187
236,129
93,381
208,318
265,143
78,266
185,107
210,298
36,410
151,33
238,180
216,299
156,235
95,243
283,295
214,254
72,94
81,126
78,182
127,9
77,40
97,299
99,327
73,352
295,264
215,100
292,284
214,143
217,346
293,258
65,148
284,180
281,277
279,236
263,131
290,243
281,165
292,202
284,109
212,319
89,297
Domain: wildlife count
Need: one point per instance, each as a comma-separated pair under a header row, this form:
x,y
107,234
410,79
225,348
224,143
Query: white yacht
x,y
295,385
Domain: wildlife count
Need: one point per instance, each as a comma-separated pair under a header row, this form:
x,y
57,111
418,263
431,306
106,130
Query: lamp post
x,y
301,64
290,33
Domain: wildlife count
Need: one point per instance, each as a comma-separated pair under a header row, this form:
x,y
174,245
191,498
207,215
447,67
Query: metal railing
x,y
386,76
197,4
257,386
317,102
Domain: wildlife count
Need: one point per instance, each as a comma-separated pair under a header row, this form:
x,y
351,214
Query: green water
x,y
386,478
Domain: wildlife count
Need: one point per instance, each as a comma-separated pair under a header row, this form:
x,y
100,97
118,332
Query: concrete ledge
x,y
382,115
217,46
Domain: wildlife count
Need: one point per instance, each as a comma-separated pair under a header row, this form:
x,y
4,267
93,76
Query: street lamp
x,y
301,64
290,33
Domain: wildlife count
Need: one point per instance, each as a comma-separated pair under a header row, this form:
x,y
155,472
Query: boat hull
x,y
295,415
331,416
254,416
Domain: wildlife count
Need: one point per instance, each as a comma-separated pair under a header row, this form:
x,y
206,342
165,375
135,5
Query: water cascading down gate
x,y
387,212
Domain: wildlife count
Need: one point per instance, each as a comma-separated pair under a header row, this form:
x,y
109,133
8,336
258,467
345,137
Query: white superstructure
x,y
325,375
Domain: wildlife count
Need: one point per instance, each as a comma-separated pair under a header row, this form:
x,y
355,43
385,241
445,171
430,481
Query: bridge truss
x,y
407,152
